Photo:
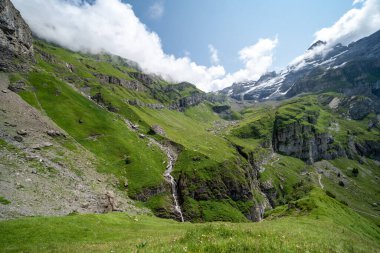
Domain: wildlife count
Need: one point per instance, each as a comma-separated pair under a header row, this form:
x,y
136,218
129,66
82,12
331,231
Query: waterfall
x,y
169,178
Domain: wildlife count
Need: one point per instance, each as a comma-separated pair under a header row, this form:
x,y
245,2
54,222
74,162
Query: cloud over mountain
x,y
112,26
354,24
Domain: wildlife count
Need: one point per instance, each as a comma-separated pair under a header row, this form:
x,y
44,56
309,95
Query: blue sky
x,y
210,43
190,26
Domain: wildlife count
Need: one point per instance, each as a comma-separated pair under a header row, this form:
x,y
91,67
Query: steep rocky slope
x,y
16,43
43,170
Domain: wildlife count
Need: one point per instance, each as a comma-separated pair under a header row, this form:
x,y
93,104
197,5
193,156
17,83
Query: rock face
x,y
232,180
305,138
304,142
131,84
360,108
143,78
185,102
16,43
99,99
158,130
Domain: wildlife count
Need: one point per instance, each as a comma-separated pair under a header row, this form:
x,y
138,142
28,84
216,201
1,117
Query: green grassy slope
x,y
291,177
216,159
361,191
316,223
101,132
54,87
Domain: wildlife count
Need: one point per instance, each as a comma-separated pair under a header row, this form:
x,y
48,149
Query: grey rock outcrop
x,y
158,130
360,108
304,142
353,107
137,102
185,102
143,78
17,86
99,99
16,43
129,84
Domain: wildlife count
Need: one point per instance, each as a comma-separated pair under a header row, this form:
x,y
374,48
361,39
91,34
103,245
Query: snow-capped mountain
x,y
347,69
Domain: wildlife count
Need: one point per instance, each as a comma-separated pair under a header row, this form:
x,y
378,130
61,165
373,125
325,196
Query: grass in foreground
x,y
329,227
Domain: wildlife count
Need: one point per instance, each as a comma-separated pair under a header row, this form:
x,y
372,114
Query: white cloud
x,y
156,10
258,57
112,26
214,57
300,61
354,24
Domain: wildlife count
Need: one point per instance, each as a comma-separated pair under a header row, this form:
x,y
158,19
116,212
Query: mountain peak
x,y
317,44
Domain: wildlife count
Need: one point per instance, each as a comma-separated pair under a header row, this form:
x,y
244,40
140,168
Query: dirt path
x,y
276,160
319,181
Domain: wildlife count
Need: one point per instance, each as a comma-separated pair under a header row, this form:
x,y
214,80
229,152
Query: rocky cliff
x,y
327,127
303,141
232,182
16,44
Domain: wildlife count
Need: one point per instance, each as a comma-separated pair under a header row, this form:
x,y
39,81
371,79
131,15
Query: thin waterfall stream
x,y
170,179
172,157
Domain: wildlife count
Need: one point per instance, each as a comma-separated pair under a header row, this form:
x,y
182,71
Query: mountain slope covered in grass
x,y
107,152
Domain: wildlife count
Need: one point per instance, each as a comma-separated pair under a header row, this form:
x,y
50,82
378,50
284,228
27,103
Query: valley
x,y
98,155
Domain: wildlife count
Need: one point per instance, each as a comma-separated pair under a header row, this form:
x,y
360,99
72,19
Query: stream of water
x,y
172,157
170,179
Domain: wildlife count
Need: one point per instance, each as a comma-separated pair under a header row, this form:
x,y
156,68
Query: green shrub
x,y
4,201
355,172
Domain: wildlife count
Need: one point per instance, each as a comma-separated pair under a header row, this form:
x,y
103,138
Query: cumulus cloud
x,y
214,56
156,10
258,57
112,26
